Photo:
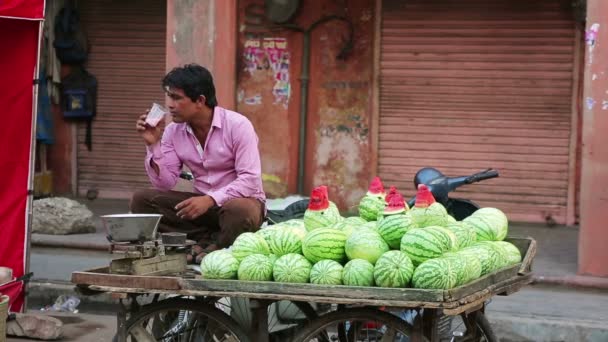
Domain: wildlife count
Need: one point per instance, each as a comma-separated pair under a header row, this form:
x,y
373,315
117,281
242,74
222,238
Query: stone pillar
x,y
593,239
204,32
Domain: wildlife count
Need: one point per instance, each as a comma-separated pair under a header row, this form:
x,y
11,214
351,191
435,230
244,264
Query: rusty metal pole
x,y
593,236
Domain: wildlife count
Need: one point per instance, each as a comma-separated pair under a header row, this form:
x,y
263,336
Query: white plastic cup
x,y
157,113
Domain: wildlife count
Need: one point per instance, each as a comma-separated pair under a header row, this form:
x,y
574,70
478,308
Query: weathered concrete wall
x,y
339,102
204,32
593,254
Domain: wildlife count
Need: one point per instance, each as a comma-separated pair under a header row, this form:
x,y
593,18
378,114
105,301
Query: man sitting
x,y
220,147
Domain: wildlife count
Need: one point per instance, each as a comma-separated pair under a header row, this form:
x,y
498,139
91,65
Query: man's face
x,y
182,108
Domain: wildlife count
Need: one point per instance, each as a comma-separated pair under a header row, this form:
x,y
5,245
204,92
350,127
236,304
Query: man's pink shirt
x,y
228,165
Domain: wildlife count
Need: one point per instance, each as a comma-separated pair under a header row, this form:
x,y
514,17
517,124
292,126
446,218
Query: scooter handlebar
x,y
483,175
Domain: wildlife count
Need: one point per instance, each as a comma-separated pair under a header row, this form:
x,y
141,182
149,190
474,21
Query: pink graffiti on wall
x,y
270,55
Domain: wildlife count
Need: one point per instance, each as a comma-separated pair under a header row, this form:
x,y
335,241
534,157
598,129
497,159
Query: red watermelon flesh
x,y
394,202
424,197
376,188
319,199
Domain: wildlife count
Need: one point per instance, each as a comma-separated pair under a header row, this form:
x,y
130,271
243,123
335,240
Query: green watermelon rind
x,y
422,244
249,243
393,269
393,227
370,207
220,264
365,244
255,267
285,241
358,272
291,268
434,274
324,243
314,219
326,272
433,215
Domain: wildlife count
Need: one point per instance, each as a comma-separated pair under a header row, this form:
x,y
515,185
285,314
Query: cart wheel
x,y
285,318
179,319
361,324
460,329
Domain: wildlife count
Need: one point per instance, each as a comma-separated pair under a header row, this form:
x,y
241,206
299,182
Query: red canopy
x,y
22,9
20,22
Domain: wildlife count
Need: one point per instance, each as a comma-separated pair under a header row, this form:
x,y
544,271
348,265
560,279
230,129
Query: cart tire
x,y
485,328
482,323
181,304
319,326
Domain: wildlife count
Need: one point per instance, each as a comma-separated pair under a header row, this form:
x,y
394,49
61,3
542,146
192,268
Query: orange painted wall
x,y
339,103
593,237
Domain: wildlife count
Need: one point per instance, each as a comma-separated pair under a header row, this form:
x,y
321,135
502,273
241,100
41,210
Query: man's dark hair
x,y
194,80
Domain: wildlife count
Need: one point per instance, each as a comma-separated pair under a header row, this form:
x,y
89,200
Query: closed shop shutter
x,y
472,84
127,41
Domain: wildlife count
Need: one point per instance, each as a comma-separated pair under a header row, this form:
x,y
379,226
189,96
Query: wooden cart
x,y
467,301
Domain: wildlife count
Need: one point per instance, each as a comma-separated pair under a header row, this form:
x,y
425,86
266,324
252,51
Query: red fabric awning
x,y
22,9
19,42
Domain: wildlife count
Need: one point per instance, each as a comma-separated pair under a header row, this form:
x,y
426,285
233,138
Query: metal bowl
x,y
131,227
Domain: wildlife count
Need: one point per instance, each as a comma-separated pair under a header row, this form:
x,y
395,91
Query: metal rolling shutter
x,y
127,40
471,84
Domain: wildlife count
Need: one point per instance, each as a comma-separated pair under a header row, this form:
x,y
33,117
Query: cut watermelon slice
x,y
376,188
395,203
319,199
424,197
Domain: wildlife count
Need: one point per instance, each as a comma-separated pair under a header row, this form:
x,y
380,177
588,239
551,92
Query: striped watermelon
x,y
326,272
273,258
298,223
394,222
220,264
472,266
358,272
370,207
459,266
365,244
255,267
249,243
285,241
291,268
421,244
373,225
267,232
434,274
487,256
393,227
321,218
490,224
295,225
345,227
373,202
503,255
426,212
321,212
512,252
355,220
393,269
465,234
451,219
324,243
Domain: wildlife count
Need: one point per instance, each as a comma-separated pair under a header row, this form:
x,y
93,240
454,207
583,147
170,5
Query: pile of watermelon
x,y
387,245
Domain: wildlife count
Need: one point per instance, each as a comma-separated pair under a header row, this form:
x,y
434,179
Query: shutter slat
x,y
471,84
127,56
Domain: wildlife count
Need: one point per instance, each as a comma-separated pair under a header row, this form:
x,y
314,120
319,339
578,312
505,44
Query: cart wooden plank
x,y
101,276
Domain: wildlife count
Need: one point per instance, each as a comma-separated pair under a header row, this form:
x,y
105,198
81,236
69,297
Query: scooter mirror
x,y
426,176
